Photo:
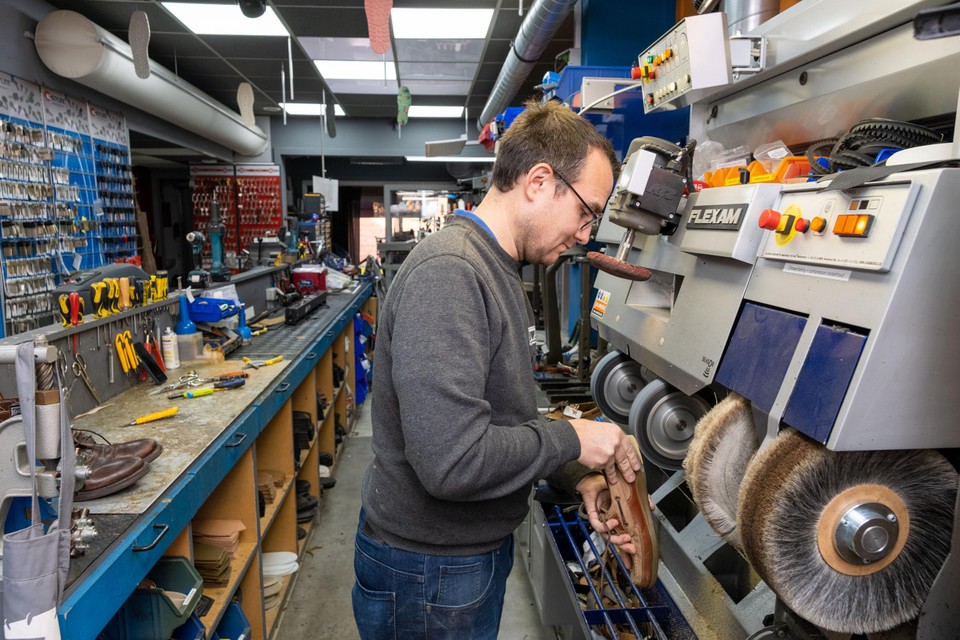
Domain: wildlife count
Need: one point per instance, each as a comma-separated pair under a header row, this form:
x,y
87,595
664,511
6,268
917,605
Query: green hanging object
x,y
404,99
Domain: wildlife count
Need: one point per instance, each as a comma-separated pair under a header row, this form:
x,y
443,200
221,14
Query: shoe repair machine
x,y
785,352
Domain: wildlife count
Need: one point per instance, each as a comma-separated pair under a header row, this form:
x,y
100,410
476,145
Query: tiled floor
x,y
319,606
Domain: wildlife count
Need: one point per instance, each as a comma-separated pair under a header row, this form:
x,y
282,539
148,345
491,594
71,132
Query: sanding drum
x,y
851,541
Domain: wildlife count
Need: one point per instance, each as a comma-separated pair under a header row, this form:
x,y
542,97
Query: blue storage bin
x,y
212,309
233,625
192,629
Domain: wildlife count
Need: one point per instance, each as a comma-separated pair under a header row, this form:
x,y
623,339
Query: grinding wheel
x,y
617,268
851,541
662,418
614,384
724,441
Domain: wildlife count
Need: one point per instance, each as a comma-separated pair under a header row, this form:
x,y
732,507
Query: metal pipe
x,y
538,28
41,353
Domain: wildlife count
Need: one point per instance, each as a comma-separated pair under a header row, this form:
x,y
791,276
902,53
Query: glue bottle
x,y
171,354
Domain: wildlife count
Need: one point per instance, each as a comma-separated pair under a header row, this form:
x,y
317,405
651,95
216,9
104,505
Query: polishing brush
x,y
851,541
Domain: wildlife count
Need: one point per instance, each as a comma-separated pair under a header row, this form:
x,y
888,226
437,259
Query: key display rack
x,y
66,196
249,200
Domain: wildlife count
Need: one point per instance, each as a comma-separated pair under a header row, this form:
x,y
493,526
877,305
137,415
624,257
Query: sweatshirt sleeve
x,y
447,328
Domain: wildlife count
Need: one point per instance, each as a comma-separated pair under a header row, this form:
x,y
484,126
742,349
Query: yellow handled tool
x,y
152,417
126,353
256,364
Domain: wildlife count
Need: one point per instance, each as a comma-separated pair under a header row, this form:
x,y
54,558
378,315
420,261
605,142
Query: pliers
x,y
256,364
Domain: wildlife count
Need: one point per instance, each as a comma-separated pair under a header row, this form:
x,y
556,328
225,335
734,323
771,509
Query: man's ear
x,y
537,179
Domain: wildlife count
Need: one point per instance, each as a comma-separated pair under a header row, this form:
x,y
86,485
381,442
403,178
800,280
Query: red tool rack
x,y
249,199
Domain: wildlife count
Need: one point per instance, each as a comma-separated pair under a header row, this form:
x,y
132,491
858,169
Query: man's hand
x,y
596,496
604,447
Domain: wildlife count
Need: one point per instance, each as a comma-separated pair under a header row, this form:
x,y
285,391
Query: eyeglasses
x,y
594,216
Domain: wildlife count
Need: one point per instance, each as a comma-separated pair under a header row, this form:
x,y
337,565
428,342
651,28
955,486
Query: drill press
x,y
216,231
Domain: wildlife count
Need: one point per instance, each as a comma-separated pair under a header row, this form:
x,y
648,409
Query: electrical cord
x,y
860,146
630,87
770,630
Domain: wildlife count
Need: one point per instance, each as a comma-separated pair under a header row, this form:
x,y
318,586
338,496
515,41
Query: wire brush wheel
x,y
724,441
797,495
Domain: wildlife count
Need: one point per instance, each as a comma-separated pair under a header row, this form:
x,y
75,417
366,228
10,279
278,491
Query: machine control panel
x,y
686,63
855,229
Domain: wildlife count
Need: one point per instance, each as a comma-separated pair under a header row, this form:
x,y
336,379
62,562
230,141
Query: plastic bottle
x,y
171,354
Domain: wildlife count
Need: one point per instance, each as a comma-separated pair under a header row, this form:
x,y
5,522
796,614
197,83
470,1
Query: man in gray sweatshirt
x,y
457,438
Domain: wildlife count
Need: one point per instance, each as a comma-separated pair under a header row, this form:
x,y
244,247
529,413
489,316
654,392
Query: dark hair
x,y
549,132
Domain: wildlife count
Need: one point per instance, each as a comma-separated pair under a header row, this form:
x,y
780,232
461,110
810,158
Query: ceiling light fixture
x,y
438,24
425,111
466,159
225,20
355,70
309,108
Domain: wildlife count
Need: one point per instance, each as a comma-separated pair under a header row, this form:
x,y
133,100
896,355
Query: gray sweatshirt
x,y
457,439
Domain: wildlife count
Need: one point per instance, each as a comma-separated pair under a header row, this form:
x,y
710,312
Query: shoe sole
x,y
634,501
110,489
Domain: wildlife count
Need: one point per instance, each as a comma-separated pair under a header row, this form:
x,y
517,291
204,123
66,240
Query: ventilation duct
x,y
538,28
74,47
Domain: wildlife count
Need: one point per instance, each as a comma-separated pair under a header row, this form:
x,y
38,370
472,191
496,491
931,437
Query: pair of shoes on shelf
x,y
110,468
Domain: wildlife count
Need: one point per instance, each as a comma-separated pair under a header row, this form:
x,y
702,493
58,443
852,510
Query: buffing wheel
x,y
615,382
617,268
891,509
663,418
723,443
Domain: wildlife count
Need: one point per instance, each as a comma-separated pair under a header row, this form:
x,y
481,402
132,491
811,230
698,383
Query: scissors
x,y
191,379
80,370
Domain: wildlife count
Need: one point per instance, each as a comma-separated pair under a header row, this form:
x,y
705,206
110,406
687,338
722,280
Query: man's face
x,y
562,221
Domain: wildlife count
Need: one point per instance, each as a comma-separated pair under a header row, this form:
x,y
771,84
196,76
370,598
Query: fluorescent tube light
x,y
424,111
225,20
467,159
309,109
441,24
356,69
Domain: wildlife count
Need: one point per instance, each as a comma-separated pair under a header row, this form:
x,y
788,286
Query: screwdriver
x,y
151,417
225,385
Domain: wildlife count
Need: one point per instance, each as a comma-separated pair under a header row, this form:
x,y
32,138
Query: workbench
x,y
212,450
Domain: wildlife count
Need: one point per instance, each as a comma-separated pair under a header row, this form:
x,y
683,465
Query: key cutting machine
x,y
791,347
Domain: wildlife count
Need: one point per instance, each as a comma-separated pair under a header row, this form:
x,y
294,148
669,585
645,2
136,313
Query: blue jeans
x,y
403,595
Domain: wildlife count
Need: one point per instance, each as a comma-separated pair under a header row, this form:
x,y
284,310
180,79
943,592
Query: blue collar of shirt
x,y
472,216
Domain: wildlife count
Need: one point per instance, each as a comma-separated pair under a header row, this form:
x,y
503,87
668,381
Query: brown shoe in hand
x,y
630,505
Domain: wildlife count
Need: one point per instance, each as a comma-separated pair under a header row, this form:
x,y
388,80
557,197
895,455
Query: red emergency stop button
x,y
769,219
801,225
636,73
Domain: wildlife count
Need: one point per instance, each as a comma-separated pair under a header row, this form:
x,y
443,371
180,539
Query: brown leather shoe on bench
x,y
630,505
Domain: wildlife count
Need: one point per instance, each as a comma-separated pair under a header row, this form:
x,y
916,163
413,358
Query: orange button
x,y
849,225
864,225
649,98
667,53
657,61
838,225
818,225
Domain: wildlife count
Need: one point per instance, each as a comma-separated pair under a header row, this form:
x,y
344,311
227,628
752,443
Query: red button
x,y
649,98
636,73
769,219
801,225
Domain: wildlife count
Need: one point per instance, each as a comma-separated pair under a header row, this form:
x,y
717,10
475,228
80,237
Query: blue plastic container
x,y
192,629
233,625
149,614
212,309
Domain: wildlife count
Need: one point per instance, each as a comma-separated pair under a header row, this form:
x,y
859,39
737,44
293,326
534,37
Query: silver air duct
x,y
746,15
74,47
540,25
